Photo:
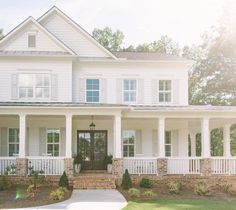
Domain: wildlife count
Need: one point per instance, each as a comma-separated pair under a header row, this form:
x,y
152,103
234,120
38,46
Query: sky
x,y
140,20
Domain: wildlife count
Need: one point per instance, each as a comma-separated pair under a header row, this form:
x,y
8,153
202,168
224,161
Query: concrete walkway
x,y
89,200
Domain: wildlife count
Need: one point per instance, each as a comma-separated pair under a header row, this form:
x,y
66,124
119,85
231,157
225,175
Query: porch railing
x,y
47,165
137,165
185,165
223,165
8,165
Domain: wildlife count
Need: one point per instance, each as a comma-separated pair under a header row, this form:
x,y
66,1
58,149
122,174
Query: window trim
x,y
59,143
32,34
99,91
134,144
8,141
165,91
123,91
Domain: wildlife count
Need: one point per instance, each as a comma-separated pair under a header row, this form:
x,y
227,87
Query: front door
x,y
92,146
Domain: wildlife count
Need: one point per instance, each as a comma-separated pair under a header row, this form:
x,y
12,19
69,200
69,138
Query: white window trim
x,y
8,140
34,87
129,130
123,92
164,91
59,143
99,101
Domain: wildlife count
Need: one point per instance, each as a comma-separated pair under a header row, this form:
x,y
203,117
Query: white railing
x,y
137,165
7,162
223,165
47,165
183,165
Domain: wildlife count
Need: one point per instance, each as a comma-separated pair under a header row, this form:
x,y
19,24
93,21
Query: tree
x,y
109,39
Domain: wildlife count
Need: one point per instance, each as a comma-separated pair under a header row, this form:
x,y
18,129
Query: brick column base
x,y
162,166
21,166
205,166
117,167
69,167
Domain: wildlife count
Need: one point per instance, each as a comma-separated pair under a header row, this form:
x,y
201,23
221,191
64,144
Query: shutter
x,y
154,143
82,94
27,142
54,88
119,93
155,94
138,140
175,143
14,86
62,142
4,142
140,91
103,90
175,91
42,141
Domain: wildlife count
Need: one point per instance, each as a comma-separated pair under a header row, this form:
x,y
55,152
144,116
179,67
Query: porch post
x,y
117,136
226,131
205,134
161,137
68,136
193,144
22,126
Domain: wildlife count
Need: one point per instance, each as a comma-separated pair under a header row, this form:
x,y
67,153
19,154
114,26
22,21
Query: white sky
x,y
140,20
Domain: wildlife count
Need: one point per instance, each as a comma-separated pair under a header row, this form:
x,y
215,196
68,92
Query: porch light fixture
x,y
92,125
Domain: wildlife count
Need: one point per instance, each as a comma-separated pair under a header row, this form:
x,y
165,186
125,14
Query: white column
x,y
193,144
205,134
69,136
226,131
161,137
117,136
22,135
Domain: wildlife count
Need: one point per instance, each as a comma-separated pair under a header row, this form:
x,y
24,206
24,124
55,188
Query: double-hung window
x,y
53,141
168,143
165,91
31,40
129,90
34,86
13,136
128,137
92,90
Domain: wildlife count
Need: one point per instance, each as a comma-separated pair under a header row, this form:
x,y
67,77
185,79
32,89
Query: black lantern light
x,y
92,125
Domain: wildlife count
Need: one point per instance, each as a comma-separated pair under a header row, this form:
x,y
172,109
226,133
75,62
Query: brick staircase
x,y
94,180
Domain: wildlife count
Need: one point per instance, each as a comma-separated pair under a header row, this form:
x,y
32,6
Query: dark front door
x,y
92,146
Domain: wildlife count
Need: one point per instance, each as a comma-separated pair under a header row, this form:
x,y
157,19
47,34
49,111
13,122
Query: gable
x,y
17,40
73,35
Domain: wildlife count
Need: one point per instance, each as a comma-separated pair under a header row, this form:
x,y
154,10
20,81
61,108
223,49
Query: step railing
x,y
46,165
223,165
183,165
137,165
8,165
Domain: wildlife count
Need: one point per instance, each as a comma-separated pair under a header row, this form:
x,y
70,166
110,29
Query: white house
x,y
55,80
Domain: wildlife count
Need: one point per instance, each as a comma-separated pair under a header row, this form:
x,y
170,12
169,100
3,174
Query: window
x,y
128,137
165,91
129,88
31,41
13,136
34,86
92,90
168,143
53,141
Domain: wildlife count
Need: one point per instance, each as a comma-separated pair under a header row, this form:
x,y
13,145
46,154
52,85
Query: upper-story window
x,y
31,40
92,90
129,90
34,86
165,91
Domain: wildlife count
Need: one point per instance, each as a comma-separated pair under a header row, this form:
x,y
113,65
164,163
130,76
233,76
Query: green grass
x,y
181,205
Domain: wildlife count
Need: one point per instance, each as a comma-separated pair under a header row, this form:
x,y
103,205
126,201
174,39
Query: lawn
x,y
166,204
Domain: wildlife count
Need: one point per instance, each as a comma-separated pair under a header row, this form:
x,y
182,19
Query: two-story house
x,y
63,94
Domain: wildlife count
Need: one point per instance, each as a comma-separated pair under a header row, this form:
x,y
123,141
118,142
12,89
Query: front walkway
x,y
89,200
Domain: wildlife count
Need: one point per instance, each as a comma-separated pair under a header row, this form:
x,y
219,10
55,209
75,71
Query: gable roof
x,y
78,27
49,34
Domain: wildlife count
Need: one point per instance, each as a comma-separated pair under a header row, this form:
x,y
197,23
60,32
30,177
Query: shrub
x,y
134,193
126,181
145,183
3,183
174,187
59,194
31,191
201,188
149,193
64,182
228,188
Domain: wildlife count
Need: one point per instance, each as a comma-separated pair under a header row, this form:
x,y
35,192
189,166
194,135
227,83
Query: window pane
x,y
31,41
39,80
161,97
132,84
168,97
39,93
161,85
168,150
168,85
26,80
126,84
11,149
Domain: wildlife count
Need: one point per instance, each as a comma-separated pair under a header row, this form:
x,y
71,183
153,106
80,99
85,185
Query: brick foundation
x,y
117,169
21,166
69,167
